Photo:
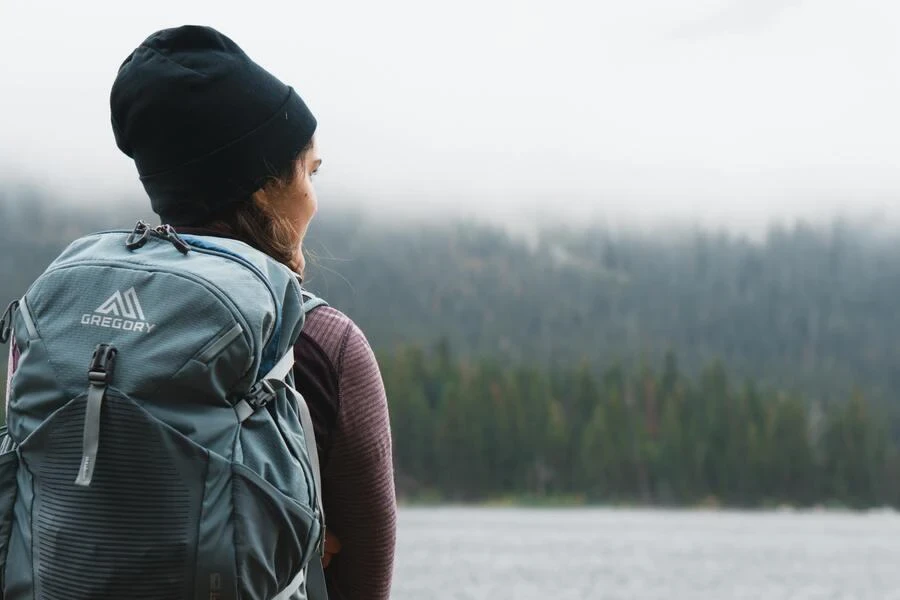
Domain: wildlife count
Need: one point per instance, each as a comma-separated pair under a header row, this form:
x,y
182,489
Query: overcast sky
x,y
722,110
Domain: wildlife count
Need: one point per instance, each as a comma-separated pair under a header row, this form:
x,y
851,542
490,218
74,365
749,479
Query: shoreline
x,y
577,503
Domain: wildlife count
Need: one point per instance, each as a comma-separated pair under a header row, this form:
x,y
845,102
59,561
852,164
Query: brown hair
x,y
260,224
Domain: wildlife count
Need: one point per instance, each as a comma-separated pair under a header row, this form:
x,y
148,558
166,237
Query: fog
x,y
725,112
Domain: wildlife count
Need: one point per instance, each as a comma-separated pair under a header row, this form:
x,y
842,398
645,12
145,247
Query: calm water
x,y
454,553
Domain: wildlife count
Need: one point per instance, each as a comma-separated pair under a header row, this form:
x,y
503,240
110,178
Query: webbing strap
x,y
282,367
100,372
91,441
316,588
273,381
312,303
245,408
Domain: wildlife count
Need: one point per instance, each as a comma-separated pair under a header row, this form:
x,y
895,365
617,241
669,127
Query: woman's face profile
x,y
305,201
299,202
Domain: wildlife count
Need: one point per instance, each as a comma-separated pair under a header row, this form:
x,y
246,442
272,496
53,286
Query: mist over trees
x,y
805,310
608,365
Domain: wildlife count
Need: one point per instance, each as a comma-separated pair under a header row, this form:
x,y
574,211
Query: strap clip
x,y
260,394
102,364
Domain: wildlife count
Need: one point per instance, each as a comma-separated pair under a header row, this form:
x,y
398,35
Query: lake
x,y
467,553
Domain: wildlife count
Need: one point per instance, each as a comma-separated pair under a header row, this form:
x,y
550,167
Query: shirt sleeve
x,y
358,482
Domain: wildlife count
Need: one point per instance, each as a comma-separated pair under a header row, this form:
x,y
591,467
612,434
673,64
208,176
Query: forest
x,y
527,365
480,430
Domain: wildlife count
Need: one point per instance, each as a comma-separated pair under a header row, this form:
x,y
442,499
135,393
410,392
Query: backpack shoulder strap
x,y
311,301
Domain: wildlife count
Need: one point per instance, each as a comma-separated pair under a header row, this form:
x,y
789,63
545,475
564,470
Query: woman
x,y
224,148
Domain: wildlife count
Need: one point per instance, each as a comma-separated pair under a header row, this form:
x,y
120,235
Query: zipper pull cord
x,y
138,236
167,232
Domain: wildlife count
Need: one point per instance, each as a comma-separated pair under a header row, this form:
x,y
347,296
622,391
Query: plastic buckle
x,y
260,394
102,364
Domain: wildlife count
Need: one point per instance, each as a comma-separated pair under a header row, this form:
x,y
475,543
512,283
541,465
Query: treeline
x,y
467,430
475,430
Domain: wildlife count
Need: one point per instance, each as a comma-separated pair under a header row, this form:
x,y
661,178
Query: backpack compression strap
x,y
275,380
270,383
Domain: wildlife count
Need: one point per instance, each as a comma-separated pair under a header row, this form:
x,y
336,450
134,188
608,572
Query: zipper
x,y
167,232
142,232
225,300
255,270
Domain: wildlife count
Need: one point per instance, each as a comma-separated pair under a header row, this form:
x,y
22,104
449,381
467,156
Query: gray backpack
x,y
156,448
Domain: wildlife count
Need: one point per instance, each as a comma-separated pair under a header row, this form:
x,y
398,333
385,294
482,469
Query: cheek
x,y
306,203
310,202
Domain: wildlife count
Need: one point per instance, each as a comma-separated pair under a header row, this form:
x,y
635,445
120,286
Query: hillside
x,y
806,309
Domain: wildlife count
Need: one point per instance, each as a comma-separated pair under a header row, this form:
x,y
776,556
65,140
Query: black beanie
x,y
205,125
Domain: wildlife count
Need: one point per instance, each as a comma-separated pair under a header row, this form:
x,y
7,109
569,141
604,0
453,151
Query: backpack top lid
x,y
204,321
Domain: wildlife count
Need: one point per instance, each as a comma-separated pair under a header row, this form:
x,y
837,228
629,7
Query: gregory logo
x,y
122,310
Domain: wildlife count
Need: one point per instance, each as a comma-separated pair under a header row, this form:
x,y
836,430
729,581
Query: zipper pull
x,y
167,232
6,321
138,236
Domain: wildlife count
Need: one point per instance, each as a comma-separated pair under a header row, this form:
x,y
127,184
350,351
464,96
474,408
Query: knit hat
x,y
205,125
